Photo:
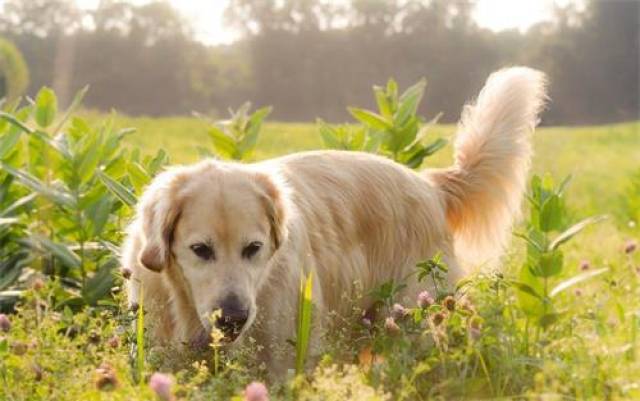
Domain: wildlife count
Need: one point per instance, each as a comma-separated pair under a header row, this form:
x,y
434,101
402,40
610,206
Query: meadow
x,y
70,337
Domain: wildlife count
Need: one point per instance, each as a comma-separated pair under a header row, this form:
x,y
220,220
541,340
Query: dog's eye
x,y
203,251
250,250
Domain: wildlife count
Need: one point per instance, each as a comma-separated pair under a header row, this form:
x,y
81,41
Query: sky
x,y
207,16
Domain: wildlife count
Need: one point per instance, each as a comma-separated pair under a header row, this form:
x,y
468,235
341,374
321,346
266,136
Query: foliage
x,y
14,74
471,342
58,174
545,258
236,137
395,131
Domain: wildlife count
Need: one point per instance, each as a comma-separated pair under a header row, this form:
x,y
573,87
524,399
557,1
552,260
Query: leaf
x,y
551,214
75,103
527,289
46,107
383,102
11,268
38,186
60,251
417,158
15,122
549,264
408,103
90,158
119,190
18,203
531,305
160,159
224,146
8,142
562,286
99,285
8,221
370,119
138,176
99,214
574,230
547,320
250,138
304,321
328,135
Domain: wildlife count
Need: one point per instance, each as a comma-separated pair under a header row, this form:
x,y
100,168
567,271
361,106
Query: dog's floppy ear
x,y
274,198
158,211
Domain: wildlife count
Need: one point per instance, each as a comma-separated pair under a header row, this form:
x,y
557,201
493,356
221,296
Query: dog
x,y
239,238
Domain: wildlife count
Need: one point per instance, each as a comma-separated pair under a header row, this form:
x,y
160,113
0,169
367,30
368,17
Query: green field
x,y
591,352
599,158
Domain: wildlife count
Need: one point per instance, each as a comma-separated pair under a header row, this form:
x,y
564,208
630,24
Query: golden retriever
x,y
238,237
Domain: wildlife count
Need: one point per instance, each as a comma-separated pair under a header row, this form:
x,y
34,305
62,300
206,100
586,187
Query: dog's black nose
x,y
233,318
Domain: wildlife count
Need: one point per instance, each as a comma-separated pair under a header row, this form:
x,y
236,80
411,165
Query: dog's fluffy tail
x,y
483,190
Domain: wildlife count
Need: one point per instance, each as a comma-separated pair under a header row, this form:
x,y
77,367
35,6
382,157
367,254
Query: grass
x,y
484,348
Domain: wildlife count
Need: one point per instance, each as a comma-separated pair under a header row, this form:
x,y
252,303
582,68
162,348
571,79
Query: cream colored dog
x,y
237,237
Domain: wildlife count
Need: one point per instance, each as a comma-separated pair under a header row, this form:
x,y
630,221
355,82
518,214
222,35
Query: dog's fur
x,y
345,217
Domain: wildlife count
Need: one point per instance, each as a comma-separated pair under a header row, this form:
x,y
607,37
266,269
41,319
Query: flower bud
x,y
585,265
256,391
630,247
113,342
437,318
391,326
5,323
126,273
425,299
449,303
161,385
105,377
398,312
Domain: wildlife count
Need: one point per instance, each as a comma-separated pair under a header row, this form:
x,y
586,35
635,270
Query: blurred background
x,y
312,58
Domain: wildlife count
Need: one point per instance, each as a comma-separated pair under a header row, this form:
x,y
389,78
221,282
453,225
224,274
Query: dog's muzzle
x,y
233,318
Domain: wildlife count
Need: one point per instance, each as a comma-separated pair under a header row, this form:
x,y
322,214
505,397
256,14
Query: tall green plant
x,y
395,130
537,288
68,169
236,138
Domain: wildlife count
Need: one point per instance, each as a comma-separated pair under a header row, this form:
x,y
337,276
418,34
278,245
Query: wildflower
x,y
437,318
37,371
113,342
161,385
94,337
19,348
256,391
5,323
398,312
391,326
630,247
37,284
425,300
105,377
585,265
126,273
449,303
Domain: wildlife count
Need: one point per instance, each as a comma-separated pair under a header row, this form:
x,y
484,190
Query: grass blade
x,y
304,322
140,336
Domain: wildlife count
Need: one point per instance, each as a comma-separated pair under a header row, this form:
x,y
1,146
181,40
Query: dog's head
x,y
215,227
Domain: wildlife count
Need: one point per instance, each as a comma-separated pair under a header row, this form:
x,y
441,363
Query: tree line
x,y
311,59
